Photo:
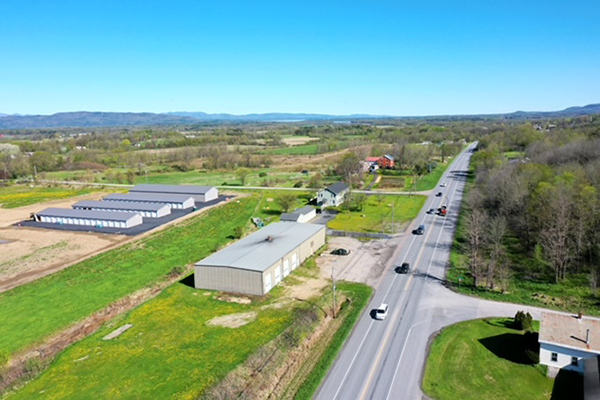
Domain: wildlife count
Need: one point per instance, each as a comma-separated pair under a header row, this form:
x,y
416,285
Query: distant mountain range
x,y
113,119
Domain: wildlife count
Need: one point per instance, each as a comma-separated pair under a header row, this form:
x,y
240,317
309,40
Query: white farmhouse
x,y
567,341
332,196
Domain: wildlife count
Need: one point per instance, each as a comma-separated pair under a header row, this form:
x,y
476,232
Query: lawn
x,y
482,359
381,213
170,352
23,195
31,313
431,180
306,149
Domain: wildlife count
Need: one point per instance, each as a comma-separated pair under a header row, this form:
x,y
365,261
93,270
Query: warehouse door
x,y
286,268
294,261
267,281
277,274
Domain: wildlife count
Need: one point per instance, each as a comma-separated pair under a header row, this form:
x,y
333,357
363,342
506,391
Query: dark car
x,y
340,252
419,231
430,211
439,194
402,269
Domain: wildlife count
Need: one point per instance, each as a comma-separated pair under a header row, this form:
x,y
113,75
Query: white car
x,y
381,312
443,184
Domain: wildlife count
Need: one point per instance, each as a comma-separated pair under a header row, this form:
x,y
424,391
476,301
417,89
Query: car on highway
x,y
443,184
439,194
430,211
381,312
402,269
340,252
419,231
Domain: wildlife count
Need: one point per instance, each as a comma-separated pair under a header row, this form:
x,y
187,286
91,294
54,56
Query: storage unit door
x,y
277,274
294,261
286,268
267,282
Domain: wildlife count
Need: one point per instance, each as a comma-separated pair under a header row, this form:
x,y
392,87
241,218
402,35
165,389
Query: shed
x,y
201,194
303,214
256,263
147,210
176,201
109,219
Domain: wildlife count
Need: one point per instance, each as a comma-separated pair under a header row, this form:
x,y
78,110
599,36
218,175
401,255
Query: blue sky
x,y
335,57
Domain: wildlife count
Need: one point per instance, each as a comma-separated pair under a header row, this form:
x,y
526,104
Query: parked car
x,y
340,252
402,269
381,312
439,194
419,231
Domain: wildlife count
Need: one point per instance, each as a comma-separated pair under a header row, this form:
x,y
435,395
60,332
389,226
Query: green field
x,y
378,217
481,359
30,313
23,195
302,150
431,180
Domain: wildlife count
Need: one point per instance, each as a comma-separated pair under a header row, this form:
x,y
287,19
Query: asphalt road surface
x,y
384,359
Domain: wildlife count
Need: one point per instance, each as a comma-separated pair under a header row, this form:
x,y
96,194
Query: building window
x,y
554,357
574,361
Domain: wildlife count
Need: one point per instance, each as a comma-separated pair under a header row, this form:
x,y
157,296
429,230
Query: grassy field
x,y
23,195
170,352
480,360
302,150
32,312
377,217
430,181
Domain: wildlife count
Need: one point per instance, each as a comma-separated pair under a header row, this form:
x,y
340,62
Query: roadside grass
x,y
306,149
32,312
359,296
22,195
472,360
430,181
377,217
170,352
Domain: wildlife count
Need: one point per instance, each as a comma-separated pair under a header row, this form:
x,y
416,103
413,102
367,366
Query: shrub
x,y
523,321
298,184
262,174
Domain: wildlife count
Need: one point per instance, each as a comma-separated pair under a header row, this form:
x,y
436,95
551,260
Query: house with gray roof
x,y
332,196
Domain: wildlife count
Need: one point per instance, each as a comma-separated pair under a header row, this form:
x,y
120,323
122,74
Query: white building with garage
x,y
108,219
175,201
303,214
146,210
255,264
201,194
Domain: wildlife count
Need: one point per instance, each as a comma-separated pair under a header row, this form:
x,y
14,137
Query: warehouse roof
x,y
158,197
183,189
262,249
103,215
123,205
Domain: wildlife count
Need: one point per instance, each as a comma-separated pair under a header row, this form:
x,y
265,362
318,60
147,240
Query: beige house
x,y
255,264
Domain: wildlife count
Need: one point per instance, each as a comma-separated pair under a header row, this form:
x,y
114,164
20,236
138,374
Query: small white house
x,y
566,341
332,196
303,214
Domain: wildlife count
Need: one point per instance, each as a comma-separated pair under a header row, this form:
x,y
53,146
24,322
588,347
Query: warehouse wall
x,y
228,280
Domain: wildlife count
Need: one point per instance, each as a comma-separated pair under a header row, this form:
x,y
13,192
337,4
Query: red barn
x,y
386,161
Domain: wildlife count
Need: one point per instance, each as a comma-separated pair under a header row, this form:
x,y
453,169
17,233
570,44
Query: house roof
x,y
180,189
570,331
158,197
89,214
337,188
256,252
591,378
372,159
123,205
296,214
389,157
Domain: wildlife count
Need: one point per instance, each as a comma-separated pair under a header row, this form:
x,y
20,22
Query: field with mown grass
x,y
306,149
376,215
32,312
481,359
22,195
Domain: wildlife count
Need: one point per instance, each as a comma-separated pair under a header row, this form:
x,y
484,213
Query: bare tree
x,y
496,232
476,225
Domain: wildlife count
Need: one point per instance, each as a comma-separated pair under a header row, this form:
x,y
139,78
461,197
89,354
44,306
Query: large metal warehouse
x,y
176,201
109,219
146,210
200,194
256,263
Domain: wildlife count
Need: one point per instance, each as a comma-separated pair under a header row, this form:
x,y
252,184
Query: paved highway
x,y
384,359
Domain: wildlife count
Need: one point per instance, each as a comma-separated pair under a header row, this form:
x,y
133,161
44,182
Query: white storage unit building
x,y
303,214
108,219
178,202
147,210
201,194
255,264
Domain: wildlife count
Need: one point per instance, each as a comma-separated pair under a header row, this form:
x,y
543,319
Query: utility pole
x,y
333,286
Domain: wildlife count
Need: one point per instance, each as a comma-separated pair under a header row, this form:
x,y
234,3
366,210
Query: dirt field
x,y
30,253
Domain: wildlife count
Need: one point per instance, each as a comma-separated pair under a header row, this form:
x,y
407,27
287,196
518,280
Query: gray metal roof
x,y
256,253
180,189
123,205
158,197
337,188
89,214
304,210
289,217
294,215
